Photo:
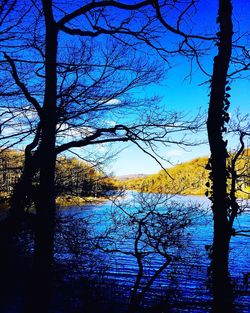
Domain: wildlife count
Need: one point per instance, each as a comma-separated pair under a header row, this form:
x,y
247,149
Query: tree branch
x,y
101,4
177,30
91,139
22,86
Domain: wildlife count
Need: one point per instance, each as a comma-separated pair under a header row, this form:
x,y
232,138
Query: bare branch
x,y
93,5
22,86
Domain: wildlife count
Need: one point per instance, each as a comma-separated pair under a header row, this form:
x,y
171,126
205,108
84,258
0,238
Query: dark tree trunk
x,y
217,117
45,205
23,192
10,226
135,297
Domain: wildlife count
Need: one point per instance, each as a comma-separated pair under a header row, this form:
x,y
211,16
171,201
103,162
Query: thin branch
x,y
101,4
22,86
152,156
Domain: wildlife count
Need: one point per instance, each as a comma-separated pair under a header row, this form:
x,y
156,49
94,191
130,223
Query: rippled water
x,y
185,280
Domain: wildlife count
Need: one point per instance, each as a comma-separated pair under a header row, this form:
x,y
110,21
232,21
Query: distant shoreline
x,y
65,201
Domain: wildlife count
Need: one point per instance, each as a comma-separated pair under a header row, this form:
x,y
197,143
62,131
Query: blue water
x,y
186,278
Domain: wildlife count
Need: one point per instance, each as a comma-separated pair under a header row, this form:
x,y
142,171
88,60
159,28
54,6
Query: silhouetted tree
x,y
225,175
74,92
217,119
147,227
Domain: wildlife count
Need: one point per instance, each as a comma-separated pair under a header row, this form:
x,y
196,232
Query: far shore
x,y
68,200
62,201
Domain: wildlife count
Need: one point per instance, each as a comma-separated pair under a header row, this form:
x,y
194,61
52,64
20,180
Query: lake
x,y
112,261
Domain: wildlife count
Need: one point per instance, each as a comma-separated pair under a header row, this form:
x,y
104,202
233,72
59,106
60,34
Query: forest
x,y
190,178
75,180
90,90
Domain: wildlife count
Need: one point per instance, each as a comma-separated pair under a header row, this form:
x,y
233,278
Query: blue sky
x,y
187,95
179,91
177,95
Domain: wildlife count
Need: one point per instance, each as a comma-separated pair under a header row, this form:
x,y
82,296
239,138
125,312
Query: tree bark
x,y
45,205
217,117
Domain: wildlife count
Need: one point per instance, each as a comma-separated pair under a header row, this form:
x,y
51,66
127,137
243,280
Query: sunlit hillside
x,y
185,178
74,178
189,178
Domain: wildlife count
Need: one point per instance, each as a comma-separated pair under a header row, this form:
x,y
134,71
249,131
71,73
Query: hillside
x,y
73,178
187,178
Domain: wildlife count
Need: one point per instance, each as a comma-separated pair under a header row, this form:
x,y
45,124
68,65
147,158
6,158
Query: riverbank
x,y
62,201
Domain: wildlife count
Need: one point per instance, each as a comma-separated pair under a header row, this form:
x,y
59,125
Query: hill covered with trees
x,y
185,178
189,178
75,179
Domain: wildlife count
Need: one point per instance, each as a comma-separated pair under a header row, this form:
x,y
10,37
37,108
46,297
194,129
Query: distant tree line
x,y
10,170
73,177
78,178
186,178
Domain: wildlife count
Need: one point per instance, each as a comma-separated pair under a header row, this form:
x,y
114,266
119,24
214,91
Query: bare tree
x,y
231,62
238,171
74,92
217,117
224,172
148,227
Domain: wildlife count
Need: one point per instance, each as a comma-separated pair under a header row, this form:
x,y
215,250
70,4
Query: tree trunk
x,y
45,206
23,191
135,297
217,117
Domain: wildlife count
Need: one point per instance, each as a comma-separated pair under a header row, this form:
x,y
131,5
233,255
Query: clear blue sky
x,y
188,96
